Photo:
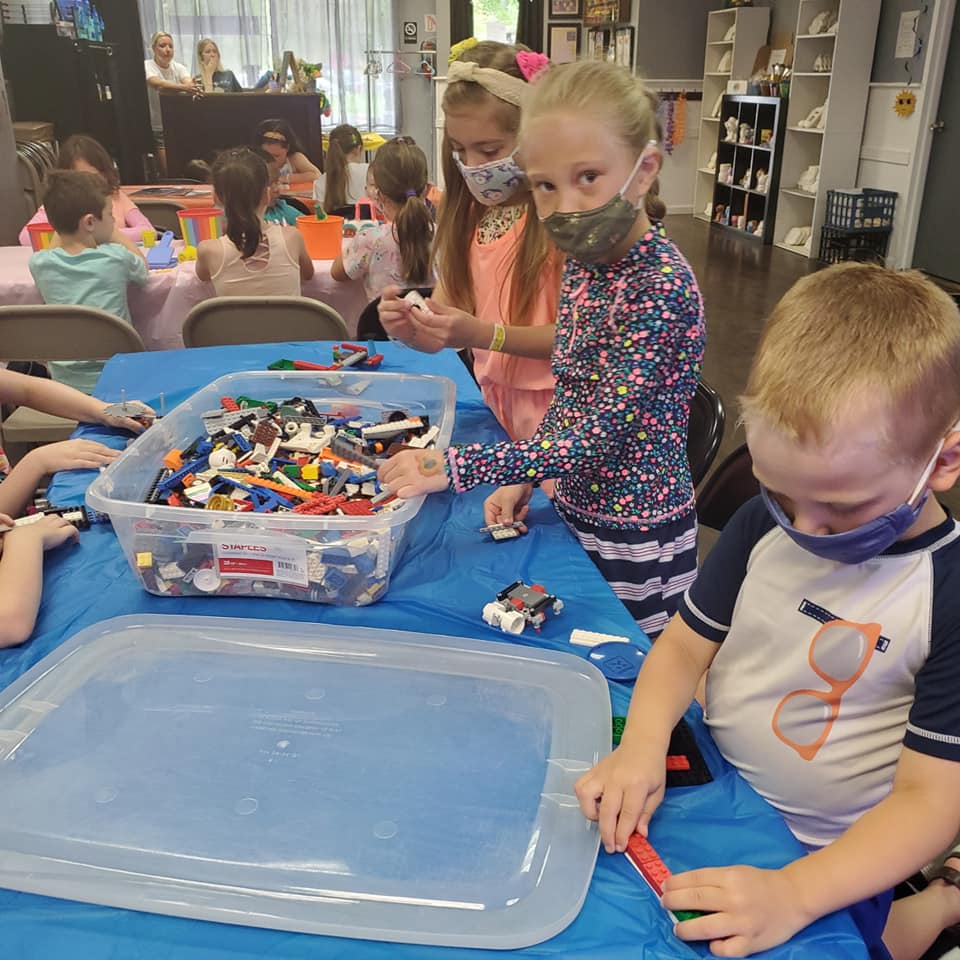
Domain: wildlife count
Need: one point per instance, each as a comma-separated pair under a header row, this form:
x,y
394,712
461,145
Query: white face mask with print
x,y
493,182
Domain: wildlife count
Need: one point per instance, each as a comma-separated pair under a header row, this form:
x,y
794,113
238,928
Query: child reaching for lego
x,y
498,272
89,263
629,343
825,621
396,252
21,572
253,258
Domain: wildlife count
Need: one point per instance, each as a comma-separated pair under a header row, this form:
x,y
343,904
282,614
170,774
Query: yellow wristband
x,y
499,336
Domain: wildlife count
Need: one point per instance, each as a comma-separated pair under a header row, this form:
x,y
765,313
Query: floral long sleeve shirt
x,y
627,354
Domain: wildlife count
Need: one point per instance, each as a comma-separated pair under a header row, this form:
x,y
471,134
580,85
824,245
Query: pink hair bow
x,y
532,64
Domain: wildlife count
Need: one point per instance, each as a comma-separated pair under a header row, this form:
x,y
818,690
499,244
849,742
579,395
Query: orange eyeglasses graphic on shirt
x,y
839,653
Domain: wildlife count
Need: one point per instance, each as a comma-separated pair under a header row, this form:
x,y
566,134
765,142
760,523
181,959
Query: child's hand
x,y
747,909
450,327
397,317
52,531
413,472
72,455
127,423
509,504
622,791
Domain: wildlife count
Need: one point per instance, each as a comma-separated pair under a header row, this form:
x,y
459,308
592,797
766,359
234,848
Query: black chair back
x,y
368,324
297,204
729,487
707,419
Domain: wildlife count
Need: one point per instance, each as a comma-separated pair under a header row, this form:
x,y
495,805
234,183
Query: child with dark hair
x,y
87,155
345,177
396,252
278,210
279,140
90,262
254,258
198,170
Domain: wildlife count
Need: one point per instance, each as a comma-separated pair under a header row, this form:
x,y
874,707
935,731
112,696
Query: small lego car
x,y
518,605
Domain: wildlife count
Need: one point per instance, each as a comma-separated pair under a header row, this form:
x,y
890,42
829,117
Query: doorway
x,y
937,249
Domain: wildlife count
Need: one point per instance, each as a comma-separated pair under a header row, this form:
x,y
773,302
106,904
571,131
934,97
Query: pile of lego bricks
x,y
266,458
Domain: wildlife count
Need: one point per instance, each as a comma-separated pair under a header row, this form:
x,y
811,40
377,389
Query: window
x,y
253,34
496,19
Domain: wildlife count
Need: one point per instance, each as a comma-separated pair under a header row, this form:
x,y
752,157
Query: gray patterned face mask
x,y
590,235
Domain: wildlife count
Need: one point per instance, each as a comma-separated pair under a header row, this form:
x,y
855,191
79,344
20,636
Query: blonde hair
x,y
460,213
155,39
207,42
399,172
596,88
858,332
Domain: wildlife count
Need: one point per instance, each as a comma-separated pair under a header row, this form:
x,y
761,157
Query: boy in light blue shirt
x,y
90,262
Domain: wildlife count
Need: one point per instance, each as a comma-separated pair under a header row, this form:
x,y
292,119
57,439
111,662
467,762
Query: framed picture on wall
x,y
624,47
566,8
563,42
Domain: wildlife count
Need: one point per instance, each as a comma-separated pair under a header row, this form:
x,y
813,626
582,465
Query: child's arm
x,y
623,790
59,400
120,237
303,170
206,252
20,485
756,909
295,239
446,326
354,260
21,574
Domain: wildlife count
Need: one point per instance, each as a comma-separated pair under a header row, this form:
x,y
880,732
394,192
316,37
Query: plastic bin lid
x,y
346,781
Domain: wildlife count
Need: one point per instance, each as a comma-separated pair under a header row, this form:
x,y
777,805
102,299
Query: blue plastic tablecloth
x,y
446,574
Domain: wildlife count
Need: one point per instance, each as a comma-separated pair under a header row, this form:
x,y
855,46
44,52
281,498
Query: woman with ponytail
x,y
344,180
254,258
396,252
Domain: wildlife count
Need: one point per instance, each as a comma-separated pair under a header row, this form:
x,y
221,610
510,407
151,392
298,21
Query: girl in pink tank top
x,y
499,274
254,259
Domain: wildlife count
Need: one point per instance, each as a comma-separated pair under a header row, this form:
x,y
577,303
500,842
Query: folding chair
x,y
224,320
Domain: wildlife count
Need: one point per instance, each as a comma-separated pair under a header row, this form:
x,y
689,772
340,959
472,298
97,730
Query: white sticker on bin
x,y
286,563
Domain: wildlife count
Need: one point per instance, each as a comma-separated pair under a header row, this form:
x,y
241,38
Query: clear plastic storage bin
x,y
345,781
342,560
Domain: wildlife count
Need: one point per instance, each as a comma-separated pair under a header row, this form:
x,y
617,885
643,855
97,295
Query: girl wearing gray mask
x,y
626,356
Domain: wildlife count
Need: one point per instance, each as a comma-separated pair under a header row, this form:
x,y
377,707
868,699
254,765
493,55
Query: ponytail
x,y
414,227
655,207
343,141
240,178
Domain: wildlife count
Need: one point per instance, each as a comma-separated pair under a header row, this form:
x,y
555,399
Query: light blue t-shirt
x,y
97,277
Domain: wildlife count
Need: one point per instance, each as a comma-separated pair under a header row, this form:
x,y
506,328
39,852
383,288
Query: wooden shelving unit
x,y
737,203
833,146
749,26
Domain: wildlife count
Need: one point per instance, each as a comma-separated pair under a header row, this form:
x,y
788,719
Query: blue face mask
x,y
866,541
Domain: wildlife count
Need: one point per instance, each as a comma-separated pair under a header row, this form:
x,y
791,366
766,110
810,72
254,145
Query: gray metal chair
x,y
162,214
225,320
51,332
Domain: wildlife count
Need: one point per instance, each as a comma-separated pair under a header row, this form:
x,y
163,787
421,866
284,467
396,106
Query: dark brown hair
x,y
240,178
284,129
82,147
460,213
71,195
399,170
343,141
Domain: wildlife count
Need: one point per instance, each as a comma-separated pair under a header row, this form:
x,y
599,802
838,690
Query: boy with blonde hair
x,y
825,619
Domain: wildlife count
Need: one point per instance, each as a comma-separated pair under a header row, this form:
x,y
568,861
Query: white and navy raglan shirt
x,y
875,646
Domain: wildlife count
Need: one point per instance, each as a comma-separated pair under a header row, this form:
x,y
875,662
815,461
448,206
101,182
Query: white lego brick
x,y
588,638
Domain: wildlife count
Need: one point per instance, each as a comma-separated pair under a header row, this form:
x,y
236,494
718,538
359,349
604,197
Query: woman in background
x,y
164,73
212,76
86,155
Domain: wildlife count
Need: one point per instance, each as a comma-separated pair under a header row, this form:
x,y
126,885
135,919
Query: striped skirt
x,y
649,570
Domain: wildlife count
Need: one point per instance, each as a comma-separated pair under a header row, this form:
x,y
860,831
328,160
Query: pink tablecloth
x,y
159,309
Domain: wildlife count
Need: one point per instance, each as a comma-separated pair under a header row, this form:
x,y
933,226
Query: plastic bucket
x,y
322,237
40,235
200,223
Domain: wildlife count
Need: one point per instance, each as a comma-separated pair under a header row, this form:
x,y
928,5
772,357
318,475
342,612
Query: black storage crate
x,y
865,209
837,245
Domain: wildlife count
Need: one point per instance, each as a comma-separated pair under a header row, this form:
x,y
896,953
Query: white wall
x,y
888,155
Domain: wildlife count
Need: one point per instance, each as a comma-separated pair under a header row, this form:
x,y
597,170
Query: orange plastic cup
x,y
321,237
41,234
